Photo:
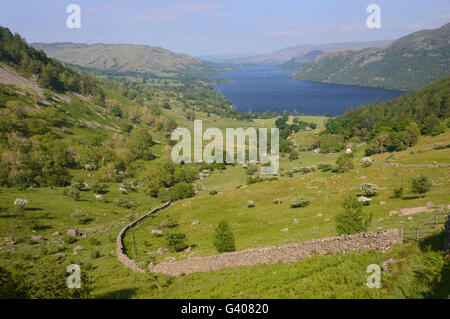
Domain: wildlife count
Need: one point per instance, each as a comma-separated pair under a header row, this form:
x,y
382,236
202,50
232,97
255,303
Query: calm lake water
x,y
263,87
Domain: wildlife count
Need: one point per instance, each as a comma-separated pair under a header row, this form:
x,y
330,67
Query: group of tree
x,y
396,124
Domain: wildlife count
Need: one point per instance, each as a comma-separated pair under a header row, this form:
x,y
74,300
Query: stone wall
x,y
381,241
121,256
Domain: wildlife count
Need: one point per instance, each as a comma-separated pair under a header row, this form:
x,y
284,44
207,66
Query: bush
x,y
420,185
124,203
80,216
344,163
175,241
78,185
398,192
224,239
20,204
98,188
75,194
368,189
325,167
352,220
213,192
181,191
366,162
293,155
299,201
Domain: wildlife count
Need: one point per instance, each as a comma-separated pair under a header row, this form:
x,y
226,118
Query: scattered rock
x,y
326,220
59,254
366,201
10,241
277,201
161,251
430,204
157,232
285,229
250,204
37,239
319,215
387,263
73,233
77,248
380,219
382,203
56,233
410,218
295,221
169,259
195,222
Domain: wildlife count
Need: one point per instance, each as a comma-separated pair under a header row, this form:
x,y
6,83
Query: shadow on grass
x,y
434,242
125,293
33,209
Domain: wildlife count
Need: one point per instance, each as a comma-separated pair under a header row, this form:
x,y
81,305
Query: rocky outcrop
x,y
121,256
381,241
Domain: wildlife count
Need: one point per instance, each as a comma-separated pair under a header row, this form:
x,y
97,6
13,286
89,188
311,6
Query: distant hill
x,y
289,53
295,64
123,58
409,62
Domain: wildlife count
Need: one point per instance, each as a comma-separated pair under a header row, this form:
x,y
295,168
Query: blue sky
x,y
204,27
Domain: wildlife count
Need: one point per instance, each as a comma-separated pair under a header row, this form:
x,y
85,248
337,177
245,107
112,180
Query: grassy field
x,y
421,271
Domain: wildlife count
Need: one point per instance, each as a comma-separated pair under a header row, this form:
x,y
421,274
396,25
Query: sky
x,y
220,27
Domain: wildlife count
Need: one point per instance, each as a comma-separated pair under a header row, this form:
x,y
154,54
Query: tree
x,y
420,184
175,241
352,220
224,239
345,163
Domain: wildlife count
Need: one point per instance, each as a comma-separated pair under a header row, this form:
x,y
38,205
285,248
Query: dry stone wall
x,y
121,256
381,241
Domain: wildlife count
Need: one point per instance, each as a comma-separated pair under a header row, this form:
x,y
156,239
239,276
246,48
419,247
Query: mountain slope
x,y
123,58
297,51
407,63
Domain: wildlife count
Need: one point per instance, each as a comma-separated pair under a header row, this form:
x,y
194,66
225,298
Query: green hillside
x,y
408,63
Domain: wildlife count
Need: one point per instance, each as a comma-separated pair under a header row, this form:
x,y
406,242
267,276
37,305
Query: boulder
x,y
56,233
10,241
387,263
37,239
195,222
73,233
157,232
250,204
295,221
284,229
319,215
77,248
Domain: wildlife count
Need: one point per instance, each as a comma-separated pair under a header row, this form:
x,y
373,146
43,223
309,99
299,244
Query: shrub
x,y
181,191
77,185
175,241
293,155
299,201
75,194
20,204
224,239
93,241
398,192
352,220
213,192
344,163
98,188
366,162
420,185
95,254
368,189
252,170
325,167
124,203
80,216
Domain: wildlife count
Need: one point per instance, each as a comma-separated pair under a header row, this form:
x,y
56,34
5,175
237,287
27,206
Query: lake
x,y
263,87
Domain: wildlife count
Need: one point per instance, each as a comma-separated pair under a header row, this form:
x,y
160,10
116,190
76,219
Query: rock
x,y
188,249
295,221
37,239
393,212
59,254
410,218
366,201
382,203
161,251
387,263
73,233
10,241
277,201
285,229
195,222
157,232
250,204
326,220
169,259
56,233
430,204
77,248
380,219
319,215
